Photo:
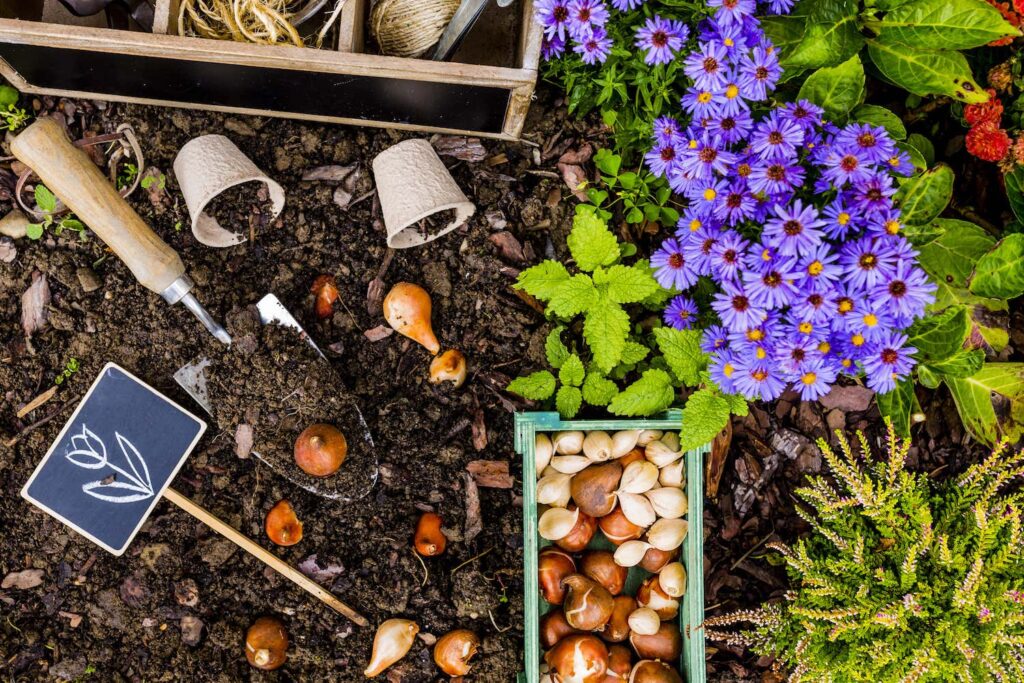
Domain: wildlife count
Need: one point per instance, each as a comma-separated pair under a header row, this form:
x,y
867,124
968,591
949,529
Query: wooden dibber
x,y
264,556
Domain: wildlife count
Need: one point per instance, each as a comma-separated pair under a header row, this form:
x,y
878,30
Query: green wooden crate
x,y
692,612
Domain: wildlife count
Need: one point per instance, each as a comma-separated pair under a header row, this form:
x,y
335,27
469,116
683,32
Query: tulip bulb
x,y
393,641
450,366
282,525
668,503
556,523
570,464
597,446
580,535
630,553
588,606
320,450
555,489
620,663
644,621
266,644
632,456
600,566
637,509
672,579
542,452
638,477
454,650
666,644
617,628
429,540
623,442
579,659
652,671
670,439
407,310
661,454
618,529
667,534
568,443
673,474
593,489
650,594
553,565
554,627
655,559
646,436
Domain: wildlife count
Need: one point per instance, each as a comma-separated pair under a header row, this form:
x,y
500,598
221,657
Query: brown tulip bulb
x,y
655,559
617,529
588,606
651,595
650,671
579,659
554,627
429,540
320,450
633,456
407,310
266,644
282,525
666,644
454,650
600,566
617,628
581,534
620,664
553,565
593,489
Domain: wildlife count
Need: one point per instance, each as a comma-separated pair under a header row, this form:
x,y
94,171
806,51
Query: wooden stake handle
x,y
264,555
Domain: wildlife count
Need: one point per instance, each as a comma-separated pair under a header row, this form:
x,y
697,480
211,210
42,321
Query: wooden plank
x,y
352,26
530,39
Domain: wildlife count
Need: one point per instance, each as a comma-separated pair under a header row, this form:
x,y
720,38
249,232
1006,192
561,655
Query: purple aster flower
x,y
760,334
670,267
699,103
889,361
806,329
626,5
552,47
704,193
867,262
715,339
774,288
728,99
794,230
817,307
776,177
759,72
594,48
803,113
791,354
689,223
761,258
732,11
846,165
871,321
736,310
756,379
732,128
872,142
846,307
707,157
723,370
885,223
698,249
780,6
707,66
815,379
819,270
666,129
726,256
776,138
662,38
553,15
585,16
906,293
874,194
733,37
681,313
900,164
839,221
736,205
664,158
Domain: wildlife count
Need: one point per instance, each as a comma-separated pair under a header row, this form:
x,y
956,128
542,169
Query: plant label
x,y
112,461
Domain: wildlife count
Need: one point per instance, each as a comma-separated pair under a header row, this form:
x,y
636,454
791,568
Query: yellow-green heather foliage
x,y
903,579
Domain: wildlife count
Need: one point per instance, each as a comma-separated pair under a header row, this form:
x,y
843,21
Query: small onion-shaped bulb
x,y
667,534
673,474
623,442
672,579
630,553
568,443
393,641
644,621
637,509
555,489
646,436
556,523
543,449
570,464
638,477
660,454
597,446
668,502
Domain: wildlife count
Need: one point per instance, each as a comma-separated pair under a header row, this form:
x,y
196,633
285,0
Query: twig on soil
x,y
472,559
39,423
751,551
498,628
426,573
362,197
36,402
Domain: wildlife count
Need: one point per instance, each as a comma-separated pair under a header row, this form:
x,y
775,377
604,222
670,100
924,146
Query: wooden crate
x,y
340,85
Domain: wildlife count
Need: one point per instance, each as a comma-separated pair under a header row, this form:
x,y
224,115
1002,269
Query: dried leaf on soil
x,y
716,459
575,177
322,575
330,174
510,247
849,399
23,580
577,156
378,333
474,525
33,304
243,440
8,252
479,430
491,474
460,147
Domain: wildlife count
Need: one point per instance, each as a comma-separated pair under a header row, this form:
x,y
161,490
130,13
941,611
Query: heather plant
x,y
901,578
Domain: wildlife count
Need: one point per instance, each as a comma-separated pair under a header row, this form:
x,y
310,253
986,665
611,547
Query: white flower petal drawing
x,y
107,492
136,462
85,453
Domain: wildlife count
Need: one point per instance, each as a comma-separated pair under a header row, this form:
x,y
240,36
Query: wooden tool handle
x,y
263,555
69,173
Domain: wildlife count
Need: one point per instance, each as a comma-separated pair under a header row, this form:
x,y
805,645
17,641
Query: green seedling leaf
x,y
991,402
880,116
627,284
682,352
941,336
536,387
927,72
8,97
899,405
45,199
554,349
944,25
598,390
591,243
999,274
923,197
607,162
605,329
650,394
633,353
573,296
568,401
543,279
572,371
836,89
34,231
705,414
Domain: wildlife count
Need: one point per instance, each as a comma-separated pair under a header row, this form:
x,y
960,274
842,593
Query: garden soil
x,y
176,606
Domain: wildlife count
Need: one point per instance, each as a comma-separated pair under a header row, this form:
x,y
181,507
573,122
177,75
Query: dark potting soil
x,y
436,222
245,209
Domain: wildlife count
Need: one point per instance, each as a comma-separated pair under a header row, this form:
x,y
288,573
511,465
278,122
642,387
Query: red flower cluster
x,y
1011,14
986,140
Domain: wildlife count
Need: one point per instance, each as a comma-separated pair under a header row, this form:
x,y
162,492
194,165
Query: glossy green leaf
x,y
927,72
924,146
964,363
916,157
568,401
1014,182
944,25
554,349
991,402
937,337
923,197
829,37
8,97
880,116
999,274
899,405
836,89
536,387
650,394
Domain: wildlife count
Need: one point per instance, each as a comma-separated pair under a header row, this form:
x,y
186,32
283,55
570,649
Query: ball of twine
x,y
408,28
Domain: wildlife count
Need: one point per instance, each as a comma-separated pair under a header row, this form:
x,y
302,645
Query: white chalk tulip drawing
x,y
89,451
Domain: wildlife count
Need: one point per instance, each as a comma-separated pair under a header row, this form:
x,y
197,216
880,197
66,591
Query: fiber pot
x,y
413,183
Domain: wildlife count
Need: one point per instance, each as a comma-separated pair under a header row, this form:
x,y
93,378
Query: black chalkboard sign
x,y
113,459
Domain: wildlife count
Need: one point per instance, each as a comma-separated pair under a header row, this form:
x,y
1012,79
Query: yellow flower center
x,y
695,225
755,334
815,268
710,194
892,227
729,42
870,319
843,218
845,306
693,144
809,378
732,91
857,339
704,97
760,353
728,369
846,362
824,347
806,328
766,255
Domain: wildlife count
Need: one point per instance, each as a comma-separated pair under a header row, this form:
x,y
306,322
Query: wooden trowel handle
x,y
69,173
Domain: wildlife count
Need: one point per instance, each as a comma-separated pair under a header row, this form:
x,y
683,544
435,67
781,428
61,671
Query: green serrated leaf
x,y
944,25
554,349
999,274
705,414
605,329
34,231
923,197
738,404
633,352
938,337
574,296
45,199
899,405
543,279
598,390
836,89
927,72
572,371
682,352
880,116
650,394
591,243
536,387
964,363
568,401
991,402
628,284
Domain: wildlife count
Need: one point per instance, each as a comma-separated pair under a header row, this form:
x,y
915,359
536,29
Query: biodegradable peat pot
x,y
207,166
413,183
